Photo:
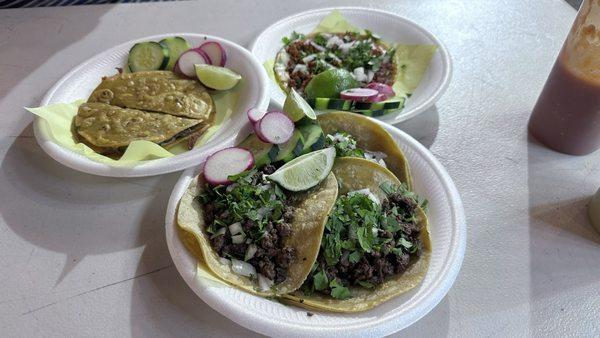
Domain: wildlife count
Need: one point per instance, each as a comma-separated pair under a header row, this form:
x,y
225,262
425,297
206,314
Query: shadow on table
x,y
63,210
564,248
162,305
423,127
51,35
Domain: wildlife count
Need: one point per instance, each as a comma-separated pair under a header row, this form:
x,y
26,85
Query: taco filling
x,y
367,241
363,55
345,146
249,222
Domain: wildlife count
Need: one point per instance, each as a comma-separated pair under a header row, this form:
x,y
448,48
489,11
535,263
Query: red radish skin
x,y
227,162
359,94
275,127
382,88
187,60
215,52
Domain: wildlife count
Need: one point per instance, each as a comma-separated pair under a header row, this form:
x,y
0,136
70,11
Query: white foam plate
x,y
448,236
79,83
390,27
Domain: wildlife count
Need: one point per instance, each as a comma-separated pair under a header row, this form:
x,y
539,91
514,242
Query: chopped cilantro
x,y
338,291
320,280
320,40
345,145
293,37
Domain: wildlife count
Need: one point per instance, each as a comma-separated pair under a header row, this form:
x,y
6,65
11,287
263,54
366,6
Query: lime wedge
x,y
219,78
296,107
330,83
306,171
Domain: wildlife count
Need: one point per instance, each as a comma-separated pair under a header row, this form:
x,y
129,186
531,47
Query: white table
x,y
86,256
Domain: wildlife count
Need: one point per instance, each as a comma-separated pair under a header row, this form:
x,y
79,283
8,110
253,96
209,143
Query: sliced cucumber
x,y
292,148
322,103
176,46
264,153
312,134
146,56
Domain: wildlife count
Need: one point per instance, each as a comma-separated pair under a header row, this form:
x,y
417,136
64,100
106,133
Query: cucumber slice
x,y
323,103
292,148
313,135
176,46
264,153
145,56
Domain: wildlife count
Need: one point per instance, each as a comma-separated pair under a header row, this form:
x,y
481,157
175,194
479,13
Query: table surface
x,y
86,256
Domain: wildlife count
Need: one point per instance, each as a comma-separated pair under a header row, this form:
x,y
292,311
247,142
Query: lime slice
x,y
306,171
330,83
219,78
296,107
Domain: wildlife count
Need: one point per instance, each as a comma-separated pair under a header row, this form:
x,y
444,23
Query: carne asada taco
x,y
364,56
354,135
375,244
254,235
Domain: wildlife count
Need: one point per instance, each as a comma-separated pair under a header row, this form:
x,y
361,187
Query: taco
x,y
375,244
253,234
109,129
156,91
365,56
354,135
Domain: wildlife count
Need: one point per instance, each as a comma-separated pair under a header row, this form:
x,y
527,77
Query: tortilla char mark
x,y
309,55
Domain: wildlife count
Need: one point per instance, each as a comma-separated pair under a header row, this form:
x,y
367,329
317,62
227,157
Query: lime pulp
x,y
219,78
296,107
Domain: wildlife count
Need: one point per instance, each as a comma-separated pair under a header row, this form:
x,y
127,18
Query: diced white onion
x,y
370,75
285,58
238,239
262,212
377,157
333,56
334,41
224,261
235,228
345,47
359,74
264,284
250,252
242,268
300,68
231,187
309,58
374,231
317,47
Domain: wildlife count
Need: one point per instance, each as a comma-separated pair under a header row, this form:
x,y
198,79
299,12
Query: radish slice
x,y
224,163
187,60
382,88
215,52
275,127
254,115
359,94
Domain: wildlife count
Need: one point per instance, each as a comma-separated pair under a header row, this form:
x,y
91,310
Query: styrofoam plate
x,y
79,83
390,27
448,236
